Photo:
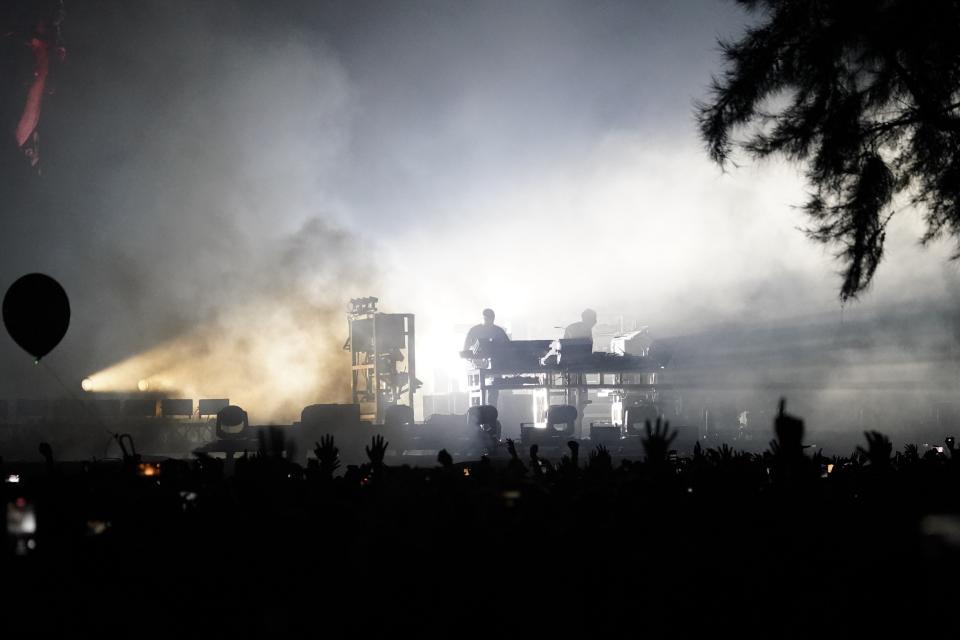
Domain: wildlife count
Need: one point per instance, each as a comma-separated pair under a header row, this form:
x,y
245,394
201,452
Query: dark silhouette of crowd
x,y
787,543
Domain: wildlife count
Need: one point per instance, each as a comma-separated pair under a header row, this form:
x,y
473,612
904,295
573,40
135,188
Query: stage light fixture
x,y
562,420
484,419
232,422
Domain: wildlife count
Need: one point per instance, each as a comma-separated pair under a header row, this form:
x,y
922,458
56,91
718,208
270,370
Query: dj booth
x,y
558,372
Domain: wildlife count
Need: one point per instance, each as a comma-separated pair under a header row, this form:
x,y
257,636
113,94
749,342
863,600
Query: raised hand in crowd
x,y
697,452
569,465
909,456
723,454
911,452
656,443
515,467
535,460
600,460
512,449
878,451
789,432
376,451
328,455
819,460
47,452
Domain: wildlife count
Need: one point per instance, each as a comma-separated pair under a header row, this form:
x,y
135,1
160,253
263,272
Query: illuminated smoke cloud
x,y
275,348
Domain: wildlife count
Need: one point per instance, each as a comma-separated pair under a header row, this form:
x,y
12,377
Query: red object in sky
x,y
27,126
38,24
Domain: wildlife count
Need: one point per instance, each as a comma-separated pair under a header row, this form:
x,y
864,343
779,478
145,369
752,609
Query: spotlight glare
x,y
86,384
143,385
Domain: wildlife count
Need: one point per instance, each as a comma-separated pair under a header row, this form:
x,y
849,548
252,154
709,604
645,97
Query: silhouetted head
x,y
488,316
589,317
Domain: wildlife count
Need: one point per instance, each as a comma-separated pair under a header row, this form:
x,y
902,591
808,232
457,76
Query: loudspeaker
x,y
176,407
561,419
604,433
635,418
212,406
328,418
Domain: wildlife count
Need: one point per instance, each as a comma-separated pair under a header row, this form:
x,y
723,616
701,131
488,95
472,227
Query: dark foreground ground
x,y
780,544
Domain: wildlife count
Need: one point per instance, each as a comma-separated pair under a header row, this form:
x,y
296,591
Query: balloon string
x,y
53,373
74,396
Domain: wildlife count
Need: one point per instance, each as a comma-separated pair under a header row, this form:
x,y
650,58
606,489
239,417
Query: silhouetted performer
x,y
482,336
584,329
481,341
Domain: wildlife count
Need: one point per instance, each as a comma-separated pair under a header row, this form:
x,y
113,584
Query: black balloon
x,y
36,312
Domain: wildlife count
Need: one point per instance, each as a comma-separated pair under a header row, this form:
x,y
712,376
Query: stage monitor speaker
x,y
398,415
140,408
636,417
562,419
212,406
530,434
482,414
604,433
329,417
176,407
